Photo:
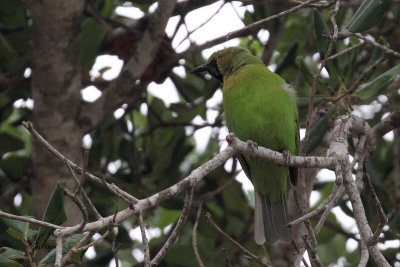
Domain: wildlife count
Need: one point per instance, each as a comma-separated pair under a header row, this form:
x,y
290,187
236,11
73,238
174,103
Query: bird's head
x,y
225,62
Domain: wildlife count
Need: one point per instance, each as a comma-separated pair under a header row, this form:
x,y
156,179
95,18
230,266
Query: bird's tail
x,y
271,220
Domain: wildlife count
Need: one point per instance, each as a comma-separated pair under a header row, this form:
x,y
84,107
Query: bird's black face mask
x,y
211,67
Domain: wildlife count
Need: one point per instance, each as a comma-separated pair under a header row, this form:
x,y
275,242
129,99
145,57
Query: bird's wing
x,y
293,171
245,165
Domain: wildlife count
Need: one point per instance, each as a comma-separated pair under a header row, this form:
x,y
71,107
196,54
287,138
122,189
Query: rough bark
x,y
56,85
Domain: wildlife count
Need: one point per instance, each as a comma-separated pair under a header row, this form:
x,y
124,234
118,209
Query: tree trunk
x,y
56,85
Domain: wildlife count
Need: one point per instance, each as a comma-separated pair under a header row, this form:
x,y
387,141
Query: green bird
x,y
259,106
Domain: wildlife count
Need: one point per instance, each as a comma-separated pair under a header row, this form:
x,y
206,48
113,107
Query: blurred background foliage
x,y
152,145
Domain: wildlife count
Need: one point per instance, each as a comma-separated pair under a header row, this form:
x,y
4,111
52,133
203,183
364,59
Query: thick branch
x,y
127,86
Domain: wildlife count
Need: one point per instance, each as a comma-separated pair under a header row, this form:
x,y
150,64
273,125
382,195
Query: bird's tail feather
x,y
271,220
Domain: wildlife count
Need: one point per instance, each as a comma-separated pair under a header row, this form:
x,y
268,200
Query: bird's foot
x,y
251,145
286,154
230,138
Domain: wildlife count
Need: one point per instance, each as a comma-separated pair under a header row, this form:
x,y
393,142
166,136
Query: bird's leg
x,y
286,154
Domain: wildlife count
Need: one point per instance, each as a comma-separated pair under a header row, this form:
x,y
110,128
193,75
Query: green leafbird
x,y
259,106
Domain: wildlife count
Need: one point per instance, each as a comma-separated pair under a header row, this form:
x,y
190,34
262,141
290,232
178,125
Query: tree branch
x,y
127,87
244,250
178,228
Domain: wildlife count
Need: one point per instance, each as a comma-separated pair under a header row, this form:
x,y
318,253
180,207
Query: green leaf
x,y
4,262
349,63
14,166
186,113
54,214
9,143
375,87
326,234
318,131
88,43
369,14
17,229
11,253
69,243
288,58
167,217
321,27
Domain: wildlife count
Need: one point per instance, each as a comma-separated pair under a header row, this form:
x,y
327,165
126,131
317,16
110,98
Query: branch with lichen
x,y
337,161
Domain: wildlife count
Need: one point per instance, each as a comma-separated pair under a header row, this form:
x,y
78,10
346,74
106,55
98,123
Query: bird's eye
x,y
214,70
214,62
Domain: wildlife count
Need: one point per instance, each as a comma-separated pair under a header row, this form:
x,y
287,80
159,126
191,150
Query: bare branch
x,y
81,207
127,85
339,149
29,253
345,51
249,29
67,257
80,184
194,237
367,40
377,204
310,242
336,191
77,248
178,228
59,250
328,208
361,78
226,257
318,75
364,255
145,241
279,158
76,168
253,257
29,220
388,124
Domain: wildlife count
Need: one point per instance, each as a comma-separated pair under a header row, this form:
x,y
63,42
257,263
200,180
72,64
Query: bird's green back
x,y
259,106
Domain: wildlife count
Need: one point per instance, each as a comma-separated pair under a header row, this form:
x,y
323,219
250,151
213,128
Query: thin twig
x,y
360,149
337,190
328,209
311,245
361,78
29,253
201,25
194,237
318,75
228,263
85,196
396,166
253,257
249,29
145,241
386,49
178,228
377,205
76,168
81,207
345,51
388,124
77,249
67,257
83,174
313,257
29,220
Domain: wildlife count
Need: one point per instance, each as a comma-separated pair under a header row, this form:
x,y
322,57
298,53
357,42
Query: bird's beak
x,y
200,68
